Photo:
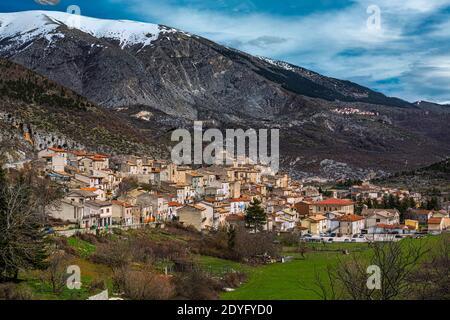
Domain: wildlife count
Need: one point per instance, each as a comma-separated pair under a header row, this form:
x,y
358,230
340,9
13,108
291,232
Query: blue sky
x,y
408,56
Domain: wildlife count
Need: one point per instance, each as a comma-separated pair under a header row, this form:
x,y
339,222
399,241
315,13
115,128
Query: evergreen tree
x,y
231,235
385,203
403,206
391,202
255,217
433,204
359,205
412,203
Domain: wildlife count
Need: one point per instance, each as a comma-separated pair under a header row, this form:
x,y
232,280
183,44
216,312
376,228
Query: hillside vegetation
x,y
32,101
435,176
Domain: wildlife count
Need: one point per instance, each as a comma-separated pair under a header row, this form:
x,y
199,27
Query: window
x,y
378,220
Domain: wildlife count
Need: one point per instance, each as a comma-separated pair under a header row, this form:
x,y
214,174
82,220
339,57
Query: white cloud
x,y
407,7
320,40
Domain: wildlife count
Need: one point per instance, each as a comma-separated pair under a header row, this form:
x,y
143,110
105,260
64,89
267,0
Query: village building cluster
x,y
216,196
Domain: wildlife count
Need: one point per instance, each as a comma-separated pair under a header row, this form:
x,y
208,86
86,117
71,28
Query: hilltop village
x,y
103,192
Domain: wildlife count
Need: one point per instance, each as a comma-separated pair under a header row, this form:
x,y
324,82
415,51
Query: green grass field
x,y
293,280
290,280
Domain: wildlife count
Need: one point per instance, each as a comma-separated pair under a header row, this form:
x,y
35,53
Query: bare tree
x,y
56,273
127,185
143,284
50,194
250,246
302,249
348,278
323,286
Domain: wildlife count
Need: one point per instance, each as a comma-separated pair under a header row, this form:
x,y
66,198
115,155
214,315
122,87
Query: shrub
x,y
234,279
88,237
143,284
61,243
145,250
214,245
97,285
289,239
12,291
114,254
197,285
249,246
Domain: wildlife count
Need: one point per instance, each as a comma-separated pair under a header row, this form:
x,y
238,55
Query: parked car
x,y
332,234
330,239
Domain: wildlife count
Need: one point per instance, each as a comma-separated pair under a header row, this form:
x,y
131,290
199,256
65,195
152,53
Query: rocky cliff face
x,y
172,78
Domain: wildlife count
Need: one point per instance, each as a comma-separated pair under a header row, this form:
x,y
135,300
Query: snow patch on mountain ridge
x,y
23,27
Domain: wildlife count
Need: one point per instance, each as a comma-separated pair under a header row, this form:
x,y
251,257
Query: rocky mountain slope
x,y
159,77
36,113
430,178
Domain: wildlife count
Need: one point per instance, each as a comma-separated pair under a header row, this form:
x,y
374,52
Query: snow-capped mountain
x,y
23,27
134,67
50,34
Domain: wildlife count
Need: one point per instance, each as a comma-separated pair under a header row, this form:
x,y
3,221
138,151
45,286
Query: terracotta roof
x,y
78,152
195,174
350,218
174,204
234,217
434,221
304,202
242,199
51,155
123,204
99,155
334,201
89,189
195,206
57,149
317,217
95,158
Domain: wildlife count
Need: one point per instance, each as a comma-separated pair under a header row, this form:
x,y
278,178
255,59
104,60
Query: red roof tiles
x,y
334,201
